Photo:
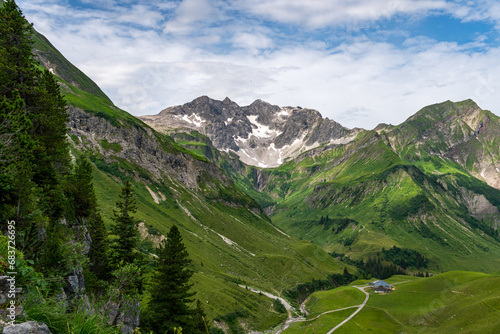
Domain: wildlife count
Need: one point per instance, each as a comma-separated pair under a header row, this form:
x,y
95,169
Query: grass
x,y
59,321
452,302
395,201
341,297
279,262
321,325
67,71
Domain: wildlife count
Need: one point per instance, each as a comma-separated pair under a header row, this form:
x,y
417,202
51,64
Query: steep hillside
x,y
55,62
373,199
461,132
229,238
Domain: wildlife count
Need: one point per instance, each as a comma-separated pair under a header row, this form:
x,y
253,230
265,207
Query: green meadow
x,y
452,302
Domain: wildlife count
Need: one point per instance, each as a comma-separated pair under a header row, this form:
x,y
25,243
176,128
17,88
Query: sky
x,y
358,62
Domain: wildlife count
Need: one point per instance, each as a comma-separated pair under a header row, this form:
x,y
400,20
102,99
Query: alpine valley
x,y
270,197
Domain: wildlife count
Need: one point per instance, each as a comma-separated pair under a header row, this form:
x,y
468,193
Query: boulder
x,y
75,284
126,314
30,327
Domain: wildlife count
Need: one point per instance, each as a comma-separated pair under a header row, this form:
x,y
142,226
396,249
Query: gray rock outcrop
x,y
30,327
126,314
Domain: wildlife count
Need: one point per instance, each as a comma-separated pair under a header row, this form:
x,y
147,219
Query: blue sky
x,y
359,62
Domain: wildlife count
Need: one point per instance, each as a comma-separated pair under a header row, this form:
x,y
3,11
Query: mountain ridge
x,y
261,134
266,134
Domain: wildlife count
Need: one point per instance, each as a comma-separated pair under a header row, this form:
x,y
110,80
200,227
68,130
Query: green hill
x,y
453,302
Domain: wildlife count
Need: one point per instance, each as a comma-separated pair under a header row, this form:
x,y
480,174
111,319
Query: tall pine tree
x,y
99,249
17,66
84,208
46,159
17,80
170,287
14,144
125,227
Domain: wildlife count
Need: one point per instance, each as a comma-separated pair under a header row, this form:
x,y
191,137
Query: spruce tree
x,y
17,81
17,66
125,227
85,209
170,287
99,249
49,117
47,158
14,147
81,189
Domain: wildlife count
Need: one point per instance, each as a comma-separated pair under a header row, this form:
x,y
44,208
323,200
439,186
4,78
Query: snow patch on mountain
x,y
192,119
261,130
284,112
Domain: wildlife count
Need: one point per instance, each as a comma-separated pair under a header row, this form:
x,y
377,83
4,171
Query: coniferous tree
x,y
14,146
17,81
85,210
99,249
81,190
51,155
49,117
14,125
170,287
17,66
125,227
47,160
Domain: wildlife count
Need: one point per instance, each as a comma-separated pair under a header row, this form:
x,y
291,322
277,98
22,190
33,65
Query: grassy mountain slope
x,y
459,131
53,60
246,177
229,238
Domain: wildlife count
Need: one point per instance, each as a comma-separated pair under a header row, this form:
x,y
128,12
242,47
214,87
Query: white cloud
x,y
252,42
476,10
141,15
320,13
188,15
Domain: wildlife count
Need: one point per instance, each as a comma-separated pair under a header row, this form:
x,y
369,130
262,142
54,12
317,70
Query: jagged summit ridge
x,y
261,134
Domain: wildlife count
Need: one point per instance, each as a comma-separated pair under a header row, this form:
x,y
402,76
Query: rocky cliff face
x,y
140,146
261,134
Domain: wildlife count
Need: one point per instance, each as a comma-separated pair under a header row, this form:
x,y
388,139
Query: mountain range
x,y
430,181
270,197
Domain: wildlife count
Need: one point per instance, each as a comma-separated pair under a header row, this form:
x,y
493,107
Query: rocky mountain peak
x,y
261,134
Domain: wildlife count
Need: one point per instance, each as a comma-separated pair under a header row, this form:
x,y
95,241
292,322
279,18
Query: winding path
x,y
292,319
360,307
